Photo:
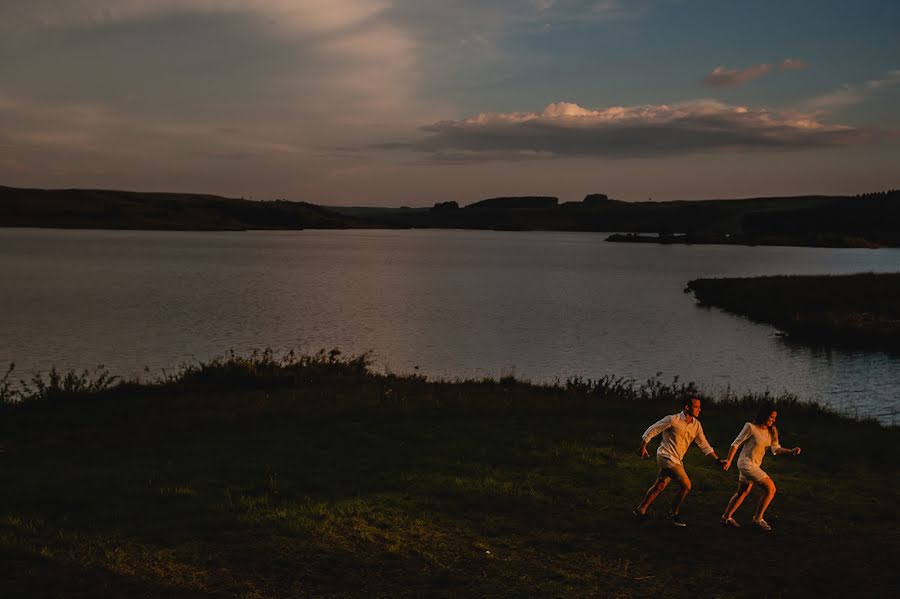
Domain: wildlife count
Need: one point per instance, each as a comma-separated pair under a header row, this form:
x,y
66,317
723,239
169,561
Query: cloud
x,y
722,77
542,5
312,16
94,128
890,79
793,64
344,62
565,129
848,95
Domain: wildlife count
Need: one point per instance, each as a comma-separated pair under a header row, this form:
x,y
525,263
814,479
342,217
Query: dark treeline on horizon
x,y
866,220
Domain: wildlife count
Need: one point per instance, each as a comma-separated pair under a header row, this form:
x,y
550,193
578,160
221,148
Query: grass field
x,y
249,478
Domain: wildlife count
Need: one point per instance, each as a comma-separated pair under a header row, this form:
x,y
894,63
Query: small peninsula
x,y
860,310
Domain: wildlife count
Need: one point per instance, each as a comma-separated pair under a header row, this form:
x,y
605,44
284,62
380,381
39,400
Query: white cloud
x,y
890,79
542,5
308,16
849,94
564,129
793,64
722,77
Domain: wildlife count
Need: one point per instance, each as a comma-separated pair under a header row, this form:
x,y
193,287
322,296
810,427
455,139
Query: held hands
x,y
725,464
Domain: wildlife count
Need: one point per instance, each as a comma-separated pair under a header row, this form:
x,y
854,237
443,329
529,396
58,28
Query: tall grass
x,y
265,370
56,385
258,370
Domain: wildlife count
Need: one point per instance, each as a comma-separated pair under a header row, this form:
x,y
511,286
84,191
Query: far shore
x,y
866,220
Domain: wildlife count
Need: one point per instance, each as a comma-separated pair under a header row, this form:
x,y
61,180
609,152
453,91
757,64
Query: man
x,y
678,431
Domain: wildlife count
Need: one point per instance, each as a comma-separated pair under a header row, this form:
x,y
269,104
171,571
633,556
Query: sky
x,y
413,102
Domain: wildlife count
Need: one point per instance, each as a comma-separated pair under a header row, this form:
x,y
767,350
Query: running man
x,y
678,431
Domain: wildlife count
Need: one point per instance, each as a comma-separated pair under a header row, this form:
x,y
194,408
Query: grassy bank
x,y
315,477
860,310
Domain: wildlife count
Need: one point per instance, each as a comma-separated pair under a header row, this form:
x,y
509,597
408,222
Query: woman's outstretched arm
x,y
785,451
731,451
742,436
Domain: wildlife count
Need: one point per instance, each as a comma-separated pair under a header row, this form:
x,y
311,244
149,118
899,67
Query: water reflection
x,y
454,303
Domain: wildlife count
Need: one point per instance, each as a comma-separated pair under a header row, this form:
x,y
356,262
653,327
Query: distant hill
x,y
106,209
516,203
596,213
867,220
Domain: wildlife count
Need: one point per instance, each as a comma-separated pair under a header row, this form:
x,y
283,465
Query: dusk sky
x,y
411,102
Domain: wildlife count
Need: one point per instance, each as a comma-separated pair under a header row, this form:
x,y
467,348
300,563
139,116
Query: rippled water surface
x,y
452,303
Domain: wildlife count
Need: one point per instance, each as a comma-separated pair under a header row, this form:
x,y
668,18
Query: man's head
x,y
692,407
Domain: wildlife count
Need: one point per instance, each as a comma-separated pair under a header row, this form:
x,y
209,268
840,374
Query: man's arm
x,y
655,429
704,445
644,452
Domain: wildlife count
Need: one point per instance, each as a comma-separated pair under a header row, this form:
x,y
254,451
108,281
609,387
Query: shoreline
x,y
812,241
18,386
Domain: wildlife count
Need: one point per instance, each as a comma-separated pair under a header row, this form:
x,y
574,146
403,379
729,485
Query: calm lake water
x,y
451,303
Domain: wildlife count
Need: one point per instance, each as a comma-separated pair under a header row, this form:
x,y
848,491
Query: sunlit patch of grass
x,y
178,491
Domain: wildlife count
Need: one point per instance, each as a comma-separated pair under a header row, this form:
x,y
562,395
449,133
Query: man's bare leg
x,y
652,493
684,487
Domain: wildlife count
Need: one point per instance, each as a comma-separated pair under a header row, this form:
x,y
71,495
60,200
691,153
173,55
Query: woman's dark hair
x,y
762,415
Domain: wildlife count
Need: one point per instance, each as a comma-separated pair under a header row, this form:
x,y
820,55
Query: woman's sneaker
x,y
676,520
762,524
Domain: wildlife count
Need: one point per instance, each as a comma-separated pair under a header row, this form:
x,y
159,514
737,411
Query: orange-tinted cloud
x,y
565,129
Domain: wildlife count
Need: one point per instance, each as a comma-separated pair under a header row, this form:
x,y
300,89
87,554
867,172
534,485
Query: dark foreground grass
x,y
339,482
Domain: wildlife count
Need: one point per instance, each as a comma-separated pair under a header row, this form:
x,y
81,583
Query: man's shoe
x,y
762,524
676,520
730,522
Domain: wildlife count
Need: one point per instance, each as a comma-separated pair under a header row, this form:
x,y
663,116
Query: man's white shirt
x,y
677,436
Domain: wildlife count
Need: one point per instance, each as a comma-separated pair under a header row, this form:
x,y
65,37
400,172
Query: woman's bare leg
x,y
768,492
737,499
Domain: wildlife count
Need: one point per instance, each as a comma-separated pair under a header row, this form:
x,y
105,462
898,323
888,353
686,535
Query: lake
x,y
445,303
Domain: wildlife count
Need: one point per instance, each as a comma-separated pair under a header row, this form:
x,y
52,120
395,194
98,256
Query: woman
x,y
756,437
